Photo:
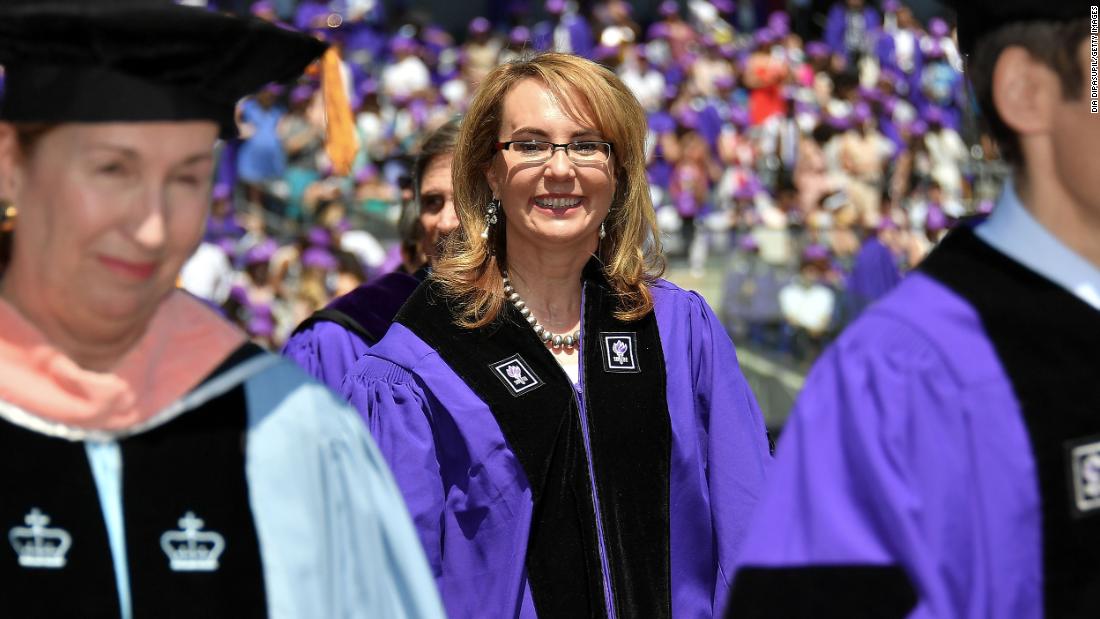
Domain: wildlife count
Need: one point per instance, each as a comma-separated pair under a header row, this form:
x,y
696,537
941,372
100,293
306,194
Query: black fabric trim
x,y
1048,342
542,428
195,463
822,592
328,314
53,475
627,415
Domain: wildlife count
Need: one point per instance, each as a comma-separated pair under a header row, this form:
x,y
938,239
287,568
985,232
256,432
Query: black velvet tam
x,y
979,17
138,60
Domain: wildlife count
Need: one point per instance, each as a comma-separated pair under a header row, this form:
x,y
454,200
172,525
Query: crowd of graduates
x,y
812,158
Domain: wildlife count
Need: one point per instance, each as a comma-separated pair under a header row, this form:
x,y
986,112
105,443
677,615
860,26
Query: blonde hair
x,y
470,270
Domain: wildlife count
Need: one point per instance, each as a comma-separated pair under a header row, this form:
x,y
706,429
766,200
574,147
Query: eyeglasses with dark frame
x,y
537,151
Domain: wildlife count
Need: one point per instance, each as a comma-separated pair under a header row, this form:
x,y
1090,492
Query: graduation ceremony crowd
x,y
304,314
777,150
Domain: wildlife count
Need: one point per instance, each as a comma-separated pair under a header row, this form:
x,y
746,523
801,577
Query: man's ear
x,y
1025,92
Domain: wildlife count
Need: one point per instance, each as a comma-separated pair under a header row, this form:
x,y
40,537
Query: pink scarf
x,y
185,341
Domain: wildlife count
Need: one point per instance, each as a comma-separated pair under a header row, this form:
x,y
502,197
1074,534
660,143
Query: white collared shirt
x,y
1013,231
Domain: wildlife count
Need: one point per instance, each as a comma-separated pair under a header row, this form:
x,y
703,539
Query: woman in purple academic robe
x,y
328,342
572,435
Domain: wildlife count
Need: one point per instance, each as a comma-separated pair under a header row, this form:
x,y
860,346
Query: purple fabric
x,y
471,502
907,447
874,273
326,350
836,24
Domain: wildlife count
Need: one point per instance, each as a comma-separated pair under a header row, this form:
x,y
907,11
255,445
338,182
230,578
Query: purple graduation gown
x,y
942,458
468,487
874,273
328,343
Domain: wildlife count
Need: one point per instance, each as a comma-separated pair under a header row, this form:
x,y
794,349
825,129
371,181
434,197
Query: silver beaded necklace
x,y
568,342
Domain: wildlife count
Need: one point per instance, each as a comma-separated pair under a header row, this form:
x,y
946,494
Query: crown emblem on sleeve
x,y
190,549
38,545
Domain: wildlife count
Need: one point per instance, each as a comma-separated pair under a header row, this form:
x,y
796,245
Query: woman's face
x,y
437,206
556,205
108,213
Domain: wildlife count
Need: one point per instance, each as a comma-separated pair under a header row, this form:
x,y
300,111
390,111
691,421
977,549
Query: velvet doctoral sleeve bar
x,y
470,494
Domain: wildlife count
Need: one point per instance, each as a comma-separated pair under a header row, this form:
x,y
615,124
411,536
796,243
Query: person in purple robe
x,y
942,459
565,31
572,434
327,343
850,29
875,269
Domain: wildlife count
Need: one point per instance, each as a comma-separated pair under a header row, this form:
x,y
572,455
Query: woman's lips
x,y
557,205
131,270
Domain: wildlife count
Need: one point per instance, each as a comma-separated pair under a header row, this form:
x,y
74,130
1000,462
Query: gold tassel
x,y
341,139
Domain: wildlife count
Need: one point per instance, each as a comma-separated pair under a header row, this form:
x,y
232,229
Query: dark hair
x,y
440,142
1053,43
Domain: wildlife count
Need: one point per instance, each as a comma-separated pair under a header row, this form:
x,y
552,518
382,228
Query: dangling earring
x,y
490,217
603,230
8,213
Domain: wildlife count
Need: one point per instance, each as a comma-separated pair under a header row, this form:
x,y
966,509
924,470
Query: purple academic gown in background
x,y
926,470
326,345
874,273
472,503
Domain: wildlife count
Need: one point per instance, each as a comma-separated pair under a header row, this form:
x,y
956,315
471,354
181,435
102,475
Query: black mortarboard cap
x,y
979,17
138,60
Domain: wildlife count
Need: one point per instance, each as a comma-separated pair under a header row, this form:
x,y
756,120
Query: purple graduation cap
x,y
479,25
301,94
933,49
366,174
938,27
221,191
261,323
555,7
917,128
739,116
933,115
318,258
668,8
747,191
319,237
603,52
779,22
367,87
519,35
262,8
260,252
402,44
747,243
817,49
724,6
688,118
815,252
891,6
658,30
861,113
935,220
764,36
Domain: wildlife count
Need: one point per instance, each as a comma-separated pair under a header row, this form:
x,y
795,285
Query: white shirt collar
x,y
1013,231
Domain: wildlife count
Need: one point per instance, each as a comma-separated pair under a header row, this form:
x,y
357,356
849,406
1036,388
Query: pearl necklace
x,y
557,341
